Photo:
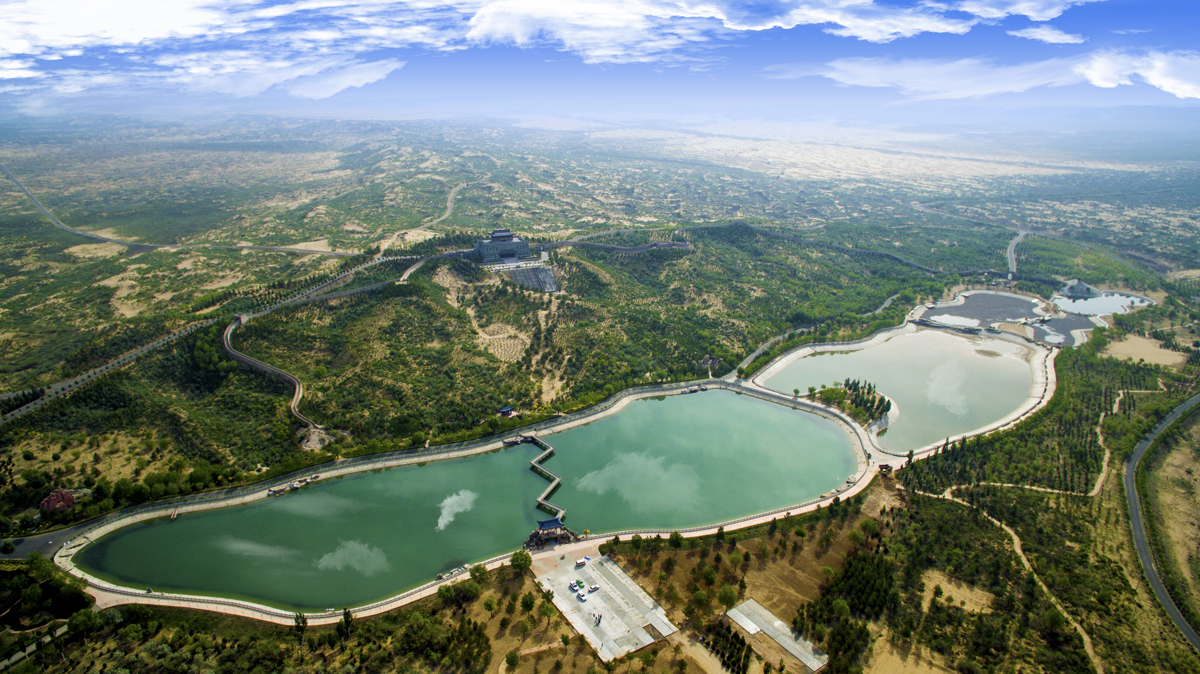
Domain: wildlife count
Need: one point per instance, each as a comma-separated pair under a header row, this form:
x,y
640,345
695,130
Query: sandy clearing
x,y
889,658
188,264
126,309
109,233
407,237
96,250
1176,483
223,282
354,226
1186,273
1136,347
319,244
969,597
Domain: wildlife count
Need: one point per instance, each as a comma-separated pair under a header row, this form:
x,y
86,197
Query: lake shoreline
x,y
863,442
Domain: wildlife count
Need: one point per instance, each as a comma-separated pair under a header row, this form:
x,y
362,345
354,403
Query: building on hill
x,y
501,245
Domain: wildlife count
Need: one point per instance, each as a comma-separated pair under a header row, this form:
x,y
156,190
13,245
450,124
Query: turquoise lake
x,y
664,463
942,384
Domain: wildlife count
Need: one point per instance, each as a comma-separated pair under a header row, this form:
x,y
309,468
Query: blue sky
x,y
648,58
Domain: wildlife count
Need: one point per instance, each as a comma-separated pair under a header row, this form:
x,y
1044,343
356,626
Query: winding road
x,y
1139,528
1011,253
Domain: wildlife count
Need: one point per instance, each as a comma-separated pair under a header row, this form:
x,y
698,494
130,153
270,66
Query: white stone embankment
x,y
1040,358
110,594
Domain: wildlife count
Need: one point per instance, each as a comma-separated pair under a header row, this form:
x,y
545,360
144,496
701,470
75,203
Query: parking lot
x,y
616,619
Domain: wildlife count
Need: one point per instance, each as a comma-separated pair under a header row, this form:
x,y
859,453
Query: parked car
x,y
594,588
574,587
581,596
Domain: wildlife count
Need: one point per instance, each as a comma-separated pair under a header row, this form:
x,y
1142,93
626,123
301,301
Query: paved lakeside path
x,y
1137,524
110,594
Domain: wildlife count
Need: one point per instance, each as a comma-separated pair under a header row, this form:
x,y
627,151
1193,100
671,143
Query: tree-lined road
x,y
1012,252
1138,525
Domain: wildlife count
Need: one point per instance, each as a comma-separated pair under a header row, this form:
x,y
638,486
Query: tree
x,y
528,601
547,611
676,540
727,595
489,605
346,625
521,562
566,641
512,659
300,624
479,574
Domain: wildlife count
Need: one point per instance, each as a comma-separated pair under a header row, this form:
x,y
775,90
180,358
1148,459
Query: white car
x,y
594,588
581,596
574,587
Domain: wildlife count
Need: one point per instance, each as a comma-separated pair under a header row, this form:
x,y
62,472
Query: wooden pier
x,y
536,466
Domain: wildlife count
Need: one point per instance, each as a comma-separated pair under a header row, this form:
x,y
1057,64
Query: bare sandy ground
x,y
125,287
1136,347
407,237
96,250
223,282
1176,484
888,658
969,597
320,244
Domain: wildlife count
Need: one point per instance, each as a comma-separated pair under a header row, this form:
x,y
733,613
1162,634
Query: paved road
x,y
1012,251
1139,531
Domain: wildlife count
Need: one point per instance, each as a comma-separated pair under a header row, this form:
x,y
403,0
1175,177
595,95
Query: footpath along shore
x,y
111,594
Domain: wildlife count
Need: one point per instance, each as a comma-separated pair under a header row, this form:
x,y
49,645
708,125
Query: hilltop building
x,y
501,245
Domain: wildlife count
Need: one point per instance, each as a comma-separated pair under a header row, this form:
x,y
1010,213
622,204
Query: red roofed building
x,y
58,501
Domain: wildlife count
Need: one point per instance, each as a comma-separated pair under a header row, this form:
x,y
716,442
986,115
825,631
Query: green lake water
x,y
942,384
668,463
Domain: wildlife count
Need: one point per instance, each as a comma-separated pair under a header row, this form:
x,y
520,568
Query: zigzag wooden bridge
x,y
552,530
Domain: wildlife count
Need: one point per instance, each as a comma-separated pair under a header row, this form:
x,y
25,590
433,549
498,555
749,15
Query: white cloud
x,y
246,548
1133,31
1038,10
1048,34
316,48
44,27
1177,73
11,69
646,483
950,79
356,555
454,504
329,83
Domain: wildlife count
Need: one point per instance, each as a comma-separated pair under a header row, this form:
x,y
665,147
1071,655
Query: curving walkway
x,y
1016,541
1136,522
